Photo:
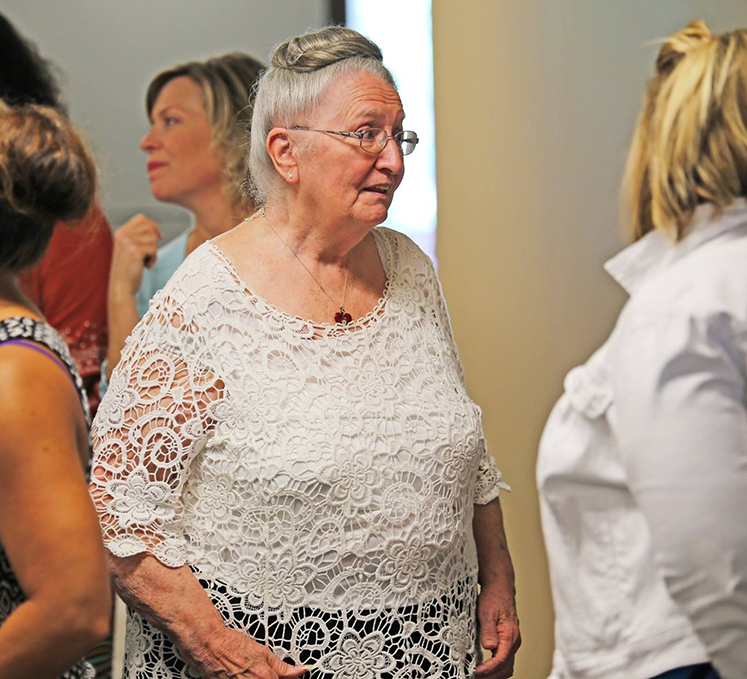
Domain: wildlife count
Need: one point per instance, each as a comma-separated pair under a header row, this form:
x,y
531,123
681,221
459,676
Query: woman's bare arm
x,y
496,607
173,600
135,243
48,526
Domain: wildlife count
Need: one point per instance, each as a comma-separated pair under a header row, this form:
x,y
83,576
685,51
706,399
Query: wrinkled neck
x,y
313,236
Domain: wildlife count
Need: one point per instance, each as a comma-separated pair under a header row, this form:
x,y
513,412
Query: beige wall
x,y
535,104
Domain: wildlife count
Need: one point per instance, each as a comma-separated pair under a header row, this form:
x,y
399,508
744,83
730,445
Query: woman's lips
x,y
152,166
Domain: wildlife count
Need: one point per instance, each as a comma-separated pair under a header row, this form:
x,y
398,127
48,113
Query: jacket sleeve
x,y
681,424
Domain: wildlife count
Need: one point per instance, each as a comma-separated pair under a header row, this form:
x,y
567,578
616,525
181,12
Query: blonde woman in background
x,y
643,463
54,590
197,159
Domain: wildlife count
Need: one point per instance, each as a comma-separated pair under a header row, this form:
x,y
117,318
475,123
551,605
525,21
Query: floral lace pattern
x,y
11,594
318,480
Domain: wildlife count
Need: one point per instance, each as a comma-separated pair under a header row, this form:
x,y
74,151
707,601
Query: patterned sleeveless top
x,y
29,330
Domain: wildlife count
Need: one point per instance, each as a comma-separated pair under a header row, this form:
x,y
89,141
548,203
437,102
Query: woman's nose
x,y
149,141
390,158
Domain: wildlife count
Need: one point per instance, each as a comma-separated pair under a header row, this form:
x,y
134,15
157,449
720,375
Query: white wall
x,y
109,50
407,46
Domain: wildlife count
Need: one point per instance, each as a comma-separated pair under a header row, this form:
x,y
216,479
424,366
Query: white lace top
x,y
320,482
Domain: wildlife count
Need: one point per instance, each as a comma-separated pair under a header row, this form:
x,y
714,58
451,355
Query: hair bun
x,y
678,45
315,50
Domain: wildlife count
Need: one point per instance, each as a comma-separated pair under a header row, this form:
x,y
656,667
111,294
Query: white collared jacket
x,y
642,470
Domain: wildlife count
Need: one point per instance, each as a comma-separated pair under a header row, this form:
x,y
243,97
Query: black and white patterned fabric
x,y
22,327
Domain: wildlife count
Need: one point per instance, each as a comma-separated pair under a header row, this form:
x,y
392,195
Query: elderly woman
x,y
643,463
289,472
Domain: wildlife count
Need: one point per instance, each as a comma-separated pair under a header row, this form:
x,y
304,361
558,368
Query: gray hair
x,y
300,72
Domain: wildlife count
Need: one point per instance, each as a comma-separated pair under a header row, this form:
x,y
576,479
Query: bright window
x,y
403,31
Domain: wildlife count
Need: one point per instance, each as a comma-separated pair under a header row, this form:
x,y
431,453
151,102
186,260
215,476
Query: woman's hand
x,y
234,655
173,600
496,604
135,247
499,631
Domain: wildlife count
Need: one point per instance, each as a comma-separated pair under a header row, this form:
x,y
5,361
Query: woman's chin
x,y
163,194
374,215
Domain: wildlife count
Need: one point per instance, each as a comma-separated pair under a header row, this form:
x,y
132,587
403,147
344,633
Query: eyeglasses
x,y
374,139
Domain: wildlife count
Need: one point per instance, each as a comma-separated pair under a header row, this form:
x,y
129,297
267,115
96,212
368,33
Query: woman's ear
x,y
281,151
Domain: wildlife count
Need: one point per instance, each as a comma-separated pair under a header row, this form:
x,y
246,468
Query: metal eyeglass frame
x,y
360,136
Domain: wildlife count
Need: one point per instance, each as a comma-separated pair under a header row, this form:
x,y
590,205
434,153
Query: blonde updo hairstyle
x,y
227,83
46,175
690,143
301,71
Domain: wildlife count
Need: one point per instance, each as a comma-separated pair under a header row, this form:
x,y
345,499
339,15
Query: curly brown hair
x,y
46,175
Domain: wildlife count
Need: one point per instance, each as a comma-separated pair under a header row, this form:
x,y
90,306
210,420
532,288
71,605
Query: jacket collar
x,y
656,250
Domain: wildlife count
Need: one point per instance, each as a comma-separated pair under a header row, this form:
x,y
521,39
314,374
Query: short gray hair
x,y
300,72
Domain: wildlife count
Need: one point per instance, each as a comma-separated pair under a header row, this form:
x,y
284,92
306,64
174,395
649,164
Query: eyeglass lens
x,y
407,141
374,139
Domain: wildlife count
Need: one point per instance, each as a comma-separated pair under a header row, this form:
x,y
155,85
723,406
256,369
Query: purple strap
x,y
45,352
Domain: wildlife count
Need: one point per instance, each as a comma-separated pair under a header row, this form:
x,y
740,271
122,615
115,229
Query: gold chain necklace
x,y
341,316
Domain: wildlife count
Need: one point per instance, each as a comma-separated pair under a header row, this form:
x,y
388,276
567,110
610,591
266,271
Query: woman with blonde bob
x,y
643,462
197,158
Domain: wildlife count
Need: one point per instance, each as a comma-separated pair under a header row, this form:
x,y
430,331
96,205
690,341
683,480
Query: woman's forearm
x,y
496,604
172,599
492,550
123,317
62,628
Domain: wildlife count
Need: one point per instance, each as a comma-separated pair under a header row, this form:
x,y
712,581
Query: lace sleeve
x,y
488,482
151,424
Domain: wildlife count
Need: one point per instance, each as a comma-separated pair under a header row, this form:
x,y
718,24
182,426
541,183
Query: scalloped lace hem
x,y
131,547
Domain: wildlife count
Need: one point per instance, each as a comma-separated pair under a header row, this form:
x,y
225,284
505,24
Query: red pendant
x,y
343,317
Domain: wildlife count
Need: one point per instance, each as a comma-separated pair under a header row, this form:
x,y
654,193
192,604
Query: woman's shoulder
x,y
35,355
710,282
397,239
195,282
404,251
170,258
26,327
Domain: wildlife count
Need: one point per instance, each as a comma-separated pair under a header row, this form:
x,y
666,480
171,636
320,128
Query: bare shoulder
x,y
39,396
